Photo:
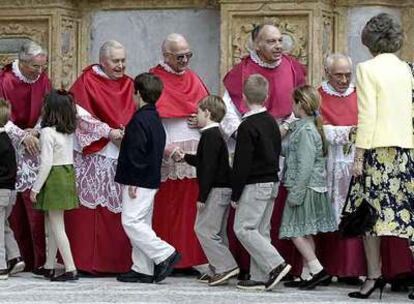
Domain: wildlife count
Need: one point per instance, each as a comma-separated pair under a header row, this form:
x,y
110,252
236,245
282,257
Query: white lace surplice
x,y
339,165
179,135
27,165
95,173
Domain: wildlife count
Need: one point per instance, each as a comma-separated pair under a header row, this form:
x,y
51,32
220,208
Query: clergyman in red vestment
x,y
24,83
104,99
343,258
284,73
175,203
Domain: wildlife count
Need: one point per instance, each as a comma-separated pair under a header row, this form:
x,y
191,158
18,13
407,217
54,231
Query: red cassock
x,y
341,257
282,81
98,241
175,203
26,104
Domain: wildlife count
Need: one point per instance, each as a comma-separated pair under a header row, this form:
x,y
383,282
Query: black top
x,y
256,159
211,161
142,148
8,165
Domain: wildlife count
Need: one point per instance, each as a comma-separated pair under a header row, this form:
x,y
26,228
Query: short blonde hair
x,y
256,89
5,110
215,105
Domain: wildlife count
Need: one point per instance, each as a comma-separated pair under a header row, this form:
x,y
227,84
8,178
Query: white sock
x,y
305,275
314,266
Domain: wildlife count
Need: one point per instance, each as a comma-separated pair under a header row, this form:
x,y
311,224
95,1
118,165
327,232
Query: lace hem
x,y
89,130
95,179
180,170
291,231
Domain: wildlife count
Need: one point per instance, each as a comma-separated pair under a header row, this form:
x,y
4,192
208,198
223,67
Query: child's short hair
x,y
59,111
215,105
5,110
149,87
256,89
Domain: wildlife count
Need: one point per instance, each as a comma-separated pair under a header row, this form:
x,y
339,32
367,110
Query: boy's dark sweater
x,y
8,165
256,159
211,161
142,148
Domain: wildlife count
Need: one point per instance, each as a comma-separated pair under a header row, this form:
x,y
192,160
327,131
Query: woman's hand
x,y
358,162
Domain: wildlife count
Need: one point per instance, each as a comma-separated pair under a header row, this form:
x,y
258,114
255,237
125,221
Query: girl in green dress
x,y
55,188
307,211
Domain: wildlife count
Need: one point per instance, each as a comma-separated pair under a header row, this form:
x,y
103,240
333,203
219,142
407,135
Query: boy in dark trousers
x,y
10,260
255,185
213,173
139,166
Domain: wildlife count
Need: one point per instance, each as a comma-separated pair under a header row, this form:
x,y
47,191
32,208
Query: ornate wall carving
x,y
312,28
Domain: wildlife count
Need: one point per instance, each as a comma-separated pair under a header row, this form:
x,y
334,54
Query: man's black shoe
x,y
315,281
135,277
164,269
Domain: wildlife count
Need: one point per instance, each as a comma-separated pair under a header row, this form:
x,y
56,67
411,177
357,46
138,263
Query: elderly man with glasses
x,y
24,83
175,203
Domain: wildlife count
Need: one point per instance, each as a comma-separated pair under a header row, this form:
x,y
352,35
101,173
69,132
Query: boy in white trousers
x,y
139,167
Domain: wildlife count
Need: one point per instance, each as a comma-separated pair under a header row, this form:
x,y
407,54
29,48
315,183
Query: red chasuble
x,y
339,111
282,81
26,98
110,101
181,93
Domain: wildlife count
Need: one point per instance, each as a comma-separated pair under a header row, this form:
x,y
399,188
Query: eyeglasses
x,y
180,57
37,67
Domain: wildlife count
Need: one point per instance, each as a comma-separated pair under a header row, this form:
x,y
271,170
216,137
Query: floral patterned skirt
x,y
387,183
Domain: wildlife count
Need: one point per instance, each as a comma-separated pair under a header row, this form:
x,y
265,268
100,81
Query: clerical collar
x,y
167,68
256,59
328,89
16,71
253,112
209,126
98,70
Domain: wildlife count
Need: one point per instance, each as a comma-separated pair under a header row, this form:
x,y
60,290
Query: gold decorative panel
x,y
293,28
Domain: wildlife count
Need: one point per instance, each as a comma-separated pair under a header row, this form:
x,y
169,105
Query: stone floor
x,y
24,288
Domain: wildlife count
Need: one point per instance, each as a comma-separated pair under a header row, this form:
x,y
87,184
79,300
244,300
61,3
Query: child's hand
x,y
178,155
33,196
31,144
132,191
234,204
200,206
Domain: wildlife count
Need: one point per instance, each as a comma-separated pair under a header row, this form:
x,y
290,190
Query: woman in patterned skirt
x,y
384,168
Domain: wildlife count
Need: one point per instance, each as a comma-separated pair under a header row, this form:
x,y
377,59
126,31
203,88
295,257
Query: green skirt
x,y
59,190
315,215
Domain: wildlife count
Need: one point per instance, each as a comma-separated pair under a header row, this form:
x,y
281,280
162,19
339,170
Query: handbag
x,y
359,221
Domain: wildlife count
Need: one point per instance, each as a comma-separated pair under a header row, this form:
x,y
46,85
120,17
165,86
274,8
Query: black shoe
x,y
135,277
353,281
315,281
15,265
243,275
66,276
43,272
326,282
251,285
411,295
379,284
163,269
277,274
294,284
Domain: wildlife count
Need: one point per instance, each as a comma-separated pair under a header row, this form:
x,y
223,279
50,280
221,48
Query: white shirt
x,y
55,149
